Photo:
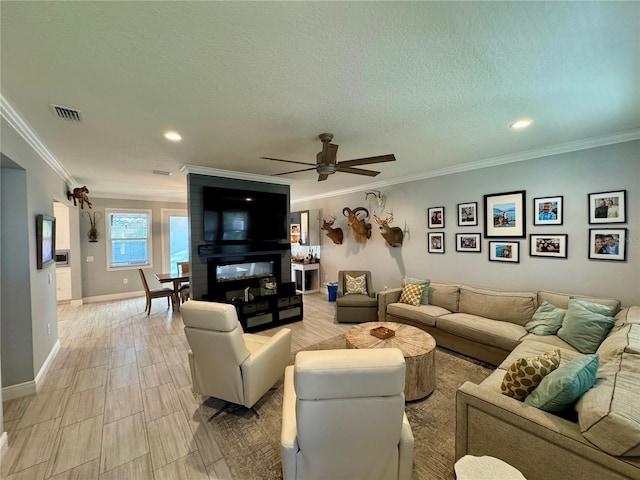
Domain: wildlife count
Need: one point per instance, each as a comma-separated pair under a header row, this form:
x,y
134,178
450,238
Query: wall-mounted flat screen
x,y
45,240
236,217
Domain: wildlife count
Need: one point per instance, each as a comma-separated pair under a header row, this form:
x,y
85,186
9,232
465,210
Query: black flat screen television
x,y
45,240
240,217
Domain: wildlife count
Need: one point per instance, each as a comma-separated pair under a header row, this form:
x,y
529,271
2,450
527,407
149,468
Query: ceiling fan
x,y
326,161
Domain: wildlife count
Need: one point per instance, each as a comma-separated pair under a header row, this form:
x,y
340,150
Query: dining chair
x,y
184,292
155,293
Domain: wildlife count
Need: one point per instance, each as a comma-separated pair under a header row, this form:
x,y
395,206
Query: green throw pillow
x,y
586,325
562,387
424,300
547,320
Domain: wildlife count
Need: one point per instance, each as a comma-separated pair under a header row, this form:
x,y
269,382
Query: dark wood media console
x,y
269,311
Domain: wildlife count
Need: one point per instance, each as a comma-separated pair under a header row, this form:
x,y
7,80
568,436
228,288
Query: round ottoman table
x,y
417,346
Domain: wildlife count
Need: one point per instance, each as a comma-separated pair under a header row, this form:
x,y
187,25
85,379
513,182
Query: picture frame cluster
x,y
505,216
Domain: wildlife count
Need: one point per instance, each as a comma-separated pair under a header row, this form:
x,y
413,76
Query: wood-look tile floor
x,y
117,403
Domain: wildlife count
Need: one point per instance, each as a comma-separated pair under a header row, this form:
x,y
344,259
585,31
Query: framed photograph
x,y
608,244
436,217
468,242
547,210
504,252
504,215
45,240
467,214
295,233
435,242
608,207
549,245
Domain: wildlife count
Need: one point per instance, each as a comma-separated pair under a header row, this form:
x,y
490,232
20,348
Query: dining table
x,y
176,279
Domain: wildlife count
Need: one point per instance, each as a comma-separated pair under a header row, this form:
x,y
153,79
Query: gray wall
x,y
27,314
96,280
573,175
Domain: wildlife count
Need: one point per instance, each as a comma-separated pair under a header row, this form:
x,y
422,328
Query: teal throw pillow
x,y
424,300
547,320
586,325
562,387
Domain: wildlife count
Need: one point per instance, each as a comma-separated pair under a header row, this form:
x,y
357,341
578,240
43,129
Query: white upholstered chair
x,y
343,416
227,363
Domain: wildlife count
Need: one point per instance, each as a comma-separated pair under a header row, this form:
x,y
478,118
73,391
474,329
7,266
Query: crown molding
x,y
216,172
568,147
15,120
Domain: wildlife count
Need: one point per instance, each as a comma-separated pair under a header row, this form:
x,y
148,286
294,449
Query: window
x,y
175,239
129,238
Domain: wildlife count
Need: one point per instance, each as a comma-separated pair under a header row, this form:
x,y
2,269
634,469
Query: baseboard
x,y
31,387
76,303
18,390
47,363
113,296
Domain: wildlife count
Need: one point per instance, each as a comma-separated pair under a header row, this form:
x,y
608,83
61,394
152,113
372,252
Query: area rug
x,y
250,444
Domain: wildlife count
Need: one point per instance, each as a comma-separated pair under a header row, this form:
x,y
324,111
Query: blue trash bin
x,y
333,291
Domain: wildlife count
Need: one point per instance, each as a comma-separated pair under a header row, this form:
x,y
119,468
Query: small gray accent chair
x,y
356,307
227,363
343,416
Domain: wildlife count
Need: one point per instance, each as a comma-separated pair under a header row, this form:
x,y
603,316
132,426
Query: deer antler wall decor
x,y
360,228
376,194
93,231
335,234
393,235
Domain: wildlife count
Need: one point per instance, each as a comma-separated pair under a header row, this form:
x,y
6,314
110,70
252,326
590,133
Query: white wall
x,y
573,175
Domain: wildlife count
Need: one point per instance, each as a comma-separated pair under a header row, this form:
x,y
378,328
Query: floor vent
x,y
66,113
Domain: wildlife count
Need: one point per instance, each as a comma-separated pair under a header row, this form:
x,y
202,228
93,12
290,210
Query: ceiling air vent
x,y
66,113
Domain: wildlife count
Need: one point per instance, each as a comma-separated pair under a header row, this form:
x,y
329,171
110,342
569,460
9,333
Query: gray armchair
x,y
356,307
227,363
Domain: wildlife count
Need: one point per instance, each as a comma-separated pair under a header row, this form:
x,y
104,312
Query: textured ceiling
x,y
435,83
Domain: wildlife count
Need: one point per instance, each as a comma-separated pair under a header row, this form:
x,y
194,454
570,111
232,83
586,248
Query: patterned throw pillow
x,y
356,284
525,374
418,281
411,294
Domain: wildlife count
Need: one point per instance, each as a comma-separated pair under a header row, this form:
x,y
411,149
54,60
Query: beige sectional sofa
x,y
602,439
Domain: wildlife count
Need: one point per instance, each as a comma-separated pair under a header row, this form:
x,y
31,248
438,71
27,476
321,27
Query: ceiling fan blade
x,y
357,171
322,176
288,161
294,171
368,160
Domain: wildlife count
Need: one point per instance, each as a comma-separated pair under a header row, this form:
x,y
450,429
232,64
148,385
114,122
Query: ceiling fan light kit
x,y
326,161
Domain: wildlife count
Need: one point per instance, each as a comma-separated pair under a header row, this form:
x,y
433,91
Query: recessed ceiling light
x,y
521,124
172,136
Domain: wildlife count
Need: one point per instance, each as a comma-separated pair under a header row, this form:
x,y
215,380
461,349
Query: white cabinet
x,y
306,276
61,212
63,283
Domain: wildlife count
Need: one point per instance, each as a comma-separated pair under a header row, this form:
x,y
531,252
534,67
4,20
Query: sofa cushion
x,y
549,340
562,387
609,413
355,284
424,299
547,320
424,314
626,316
624,340
499,334
526,373
561,300
513,307
586,325
530,348
357,300
445,295
411,294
